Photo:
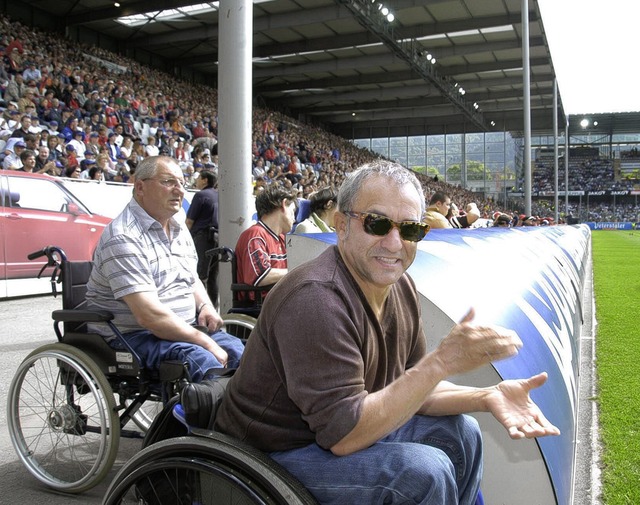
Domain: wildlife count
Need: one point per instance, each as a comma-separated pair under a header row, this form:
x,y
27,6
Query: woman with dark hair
x,y
322,205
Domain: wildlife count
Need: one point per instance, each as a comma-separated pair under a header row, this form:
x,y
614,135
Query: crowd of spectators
x,y
632,153
621,211
94,109
84,112
585,174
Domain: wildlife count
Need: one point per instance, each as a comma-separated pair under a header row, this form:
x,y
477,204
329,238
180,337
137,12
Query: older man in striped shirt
x,y
145,273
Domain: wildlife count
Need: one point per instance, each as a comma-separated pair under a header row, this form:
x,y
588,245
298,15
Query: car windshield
x,y
41,194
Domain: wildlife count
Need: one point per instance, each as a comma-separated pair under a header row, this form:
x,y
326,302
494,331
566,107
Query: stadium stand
x,y
129,111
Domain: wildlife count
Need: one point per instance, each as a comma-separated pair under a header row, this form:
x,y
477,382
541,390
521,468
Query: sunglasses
x,y
373,224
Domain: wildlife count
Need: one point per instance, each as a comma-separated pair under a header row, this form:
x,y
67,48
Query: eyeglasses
x,y
169,183
373,224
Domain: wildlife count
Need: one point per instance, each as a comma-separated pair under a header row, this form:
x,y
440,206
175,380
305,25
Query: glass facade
x,y
481,162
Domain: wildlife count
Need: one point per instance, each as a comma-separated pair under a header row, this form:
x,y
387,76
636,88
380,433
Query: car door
x,y
42,212
3,261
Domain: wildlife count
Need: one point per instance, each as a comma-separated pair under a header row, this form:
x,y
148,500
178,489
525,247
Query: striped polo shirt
x,y
134,255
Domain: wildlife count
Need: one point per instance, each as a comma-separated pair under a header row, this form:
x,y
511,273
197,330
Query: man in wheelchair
x,y
346,396
145,273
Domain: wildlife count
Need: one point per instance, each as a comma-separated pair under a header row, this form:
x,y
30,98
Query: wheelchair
x,y
246,300
63,418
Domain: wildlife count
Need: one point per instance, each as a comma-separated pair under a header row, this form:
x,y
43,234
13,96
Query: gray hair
x,y
397,174
148,167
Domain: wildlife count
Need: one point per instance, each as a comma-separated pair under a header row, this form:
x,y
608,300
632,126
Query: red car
x,y
36,211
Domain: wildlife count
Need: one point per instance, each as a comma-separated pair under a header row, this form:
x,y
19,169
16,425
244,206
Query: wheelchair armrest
x,y
81,316
172,370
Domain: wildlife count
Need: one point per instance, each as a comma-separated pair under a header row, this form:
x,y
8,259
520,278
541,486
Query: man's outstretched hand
x,y
510,403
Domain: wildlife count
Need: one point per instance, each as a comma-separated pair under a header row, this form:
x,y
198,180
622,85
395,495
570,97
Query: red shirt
x,y
259,250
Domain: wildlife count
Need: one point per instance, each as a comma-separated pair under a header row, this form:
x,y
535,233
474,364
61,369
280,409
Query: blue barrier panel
x,y
611,226
527,279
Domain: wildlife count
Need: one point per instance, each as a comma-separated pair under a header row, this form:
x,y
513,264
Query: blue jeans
x,y
153,350
429,460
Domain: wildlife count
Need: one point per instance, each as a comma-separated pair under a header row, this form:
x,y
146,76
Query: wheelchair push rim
x,y
211,470
62,418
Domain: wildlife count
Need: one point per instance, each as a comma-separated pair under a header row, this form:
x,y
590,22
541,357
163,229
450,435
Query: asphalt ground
x,y
25,324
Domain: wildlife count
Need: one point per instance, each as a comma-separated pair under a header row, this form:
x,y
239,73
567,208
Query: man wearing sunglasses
x,y
336,383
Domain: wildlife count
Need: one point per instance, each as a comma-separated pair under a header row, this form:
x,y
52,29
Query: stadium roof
x,y
344,64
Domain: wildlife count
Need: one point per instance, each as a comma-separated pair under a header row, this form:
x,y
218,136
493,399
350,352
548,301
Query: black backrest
x,y
240,301
75,275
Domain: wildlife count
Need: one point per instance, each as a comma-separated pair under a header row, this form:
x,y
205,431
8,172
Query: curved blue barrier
x,y
530,280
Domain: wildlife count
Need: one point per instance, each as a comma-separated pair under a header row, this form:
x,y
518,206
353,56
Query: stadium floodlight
x,y
433,61
390,18
384,11
584,123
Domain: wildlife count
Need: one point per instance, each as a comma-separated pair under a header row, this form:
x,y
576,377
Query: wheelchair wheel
x,y
239,325
62,418
212,470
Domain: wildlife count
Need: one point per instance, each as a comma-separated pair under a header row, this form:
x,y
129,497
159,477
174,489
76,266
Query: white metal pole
x,y
555,149
566,168
526,99
234,119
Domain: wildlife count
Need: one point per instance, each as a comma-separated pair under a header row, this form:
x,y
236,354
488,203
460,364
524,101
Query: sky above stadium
x,y
594,47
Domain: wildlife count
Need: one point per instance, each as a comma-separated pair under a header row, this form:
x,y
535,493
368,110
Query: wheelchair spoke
x,y
63,421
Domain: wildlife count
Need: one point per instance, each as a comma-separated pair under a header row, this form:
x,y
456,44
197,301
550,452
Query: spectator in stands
x,y
122,169
70,156
31,141
70,172
25,124
348,397
323,206
149,281
152,149
261,252
27,100
14,90
436,215
70,127
464,219
202,221
28,159
127,145
93,144
12,159
77,141
32,73
502,221
44,163
112,147
96,174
